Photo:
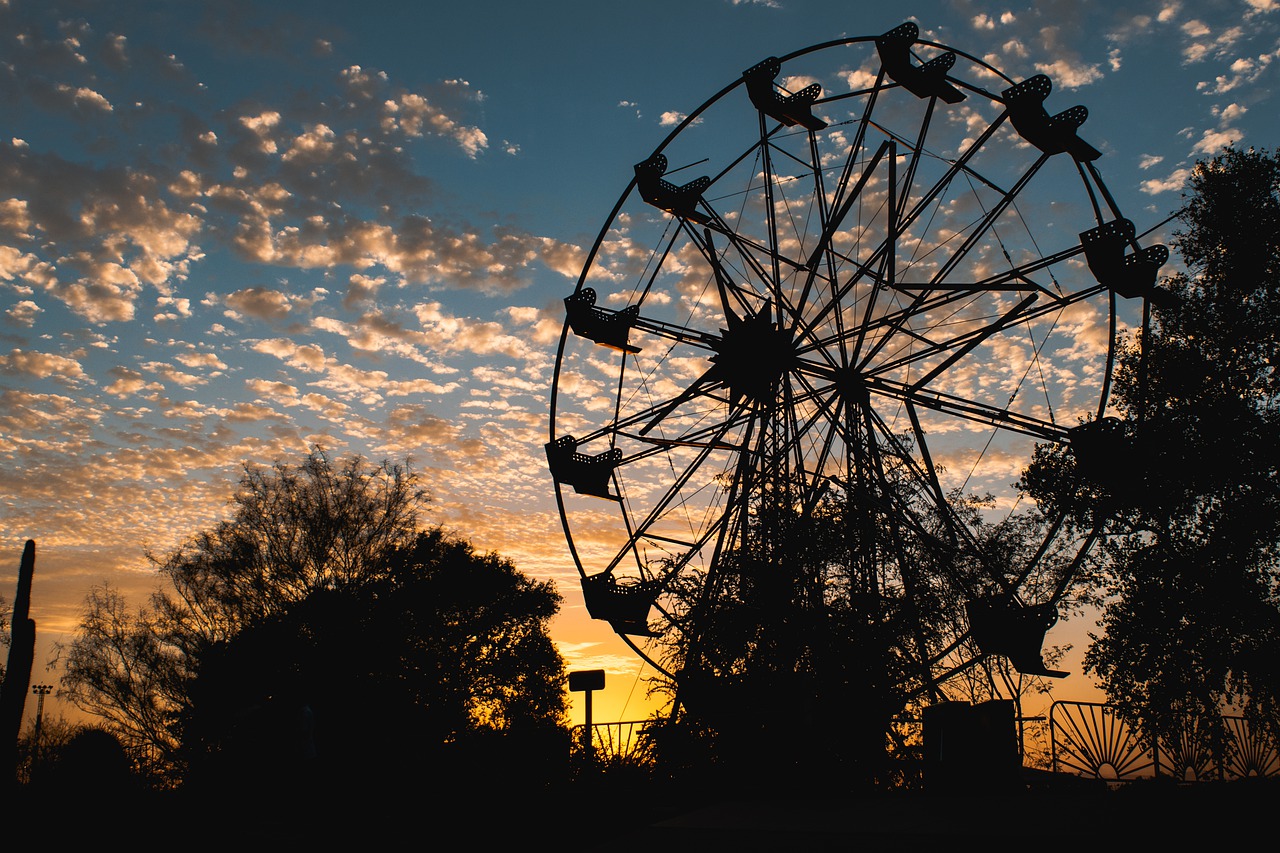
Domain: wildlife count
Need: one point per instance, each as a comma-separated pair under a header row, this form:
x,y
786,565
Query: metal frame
x,y
1091,739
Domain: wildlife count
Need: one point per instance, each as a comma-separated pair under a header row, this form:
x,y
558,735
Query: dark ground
x,y
365,813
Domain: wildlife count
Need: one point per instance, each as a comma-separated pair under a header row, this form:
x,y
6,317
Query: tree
x,y
409,669
812,617
319,596
1189,476
35,760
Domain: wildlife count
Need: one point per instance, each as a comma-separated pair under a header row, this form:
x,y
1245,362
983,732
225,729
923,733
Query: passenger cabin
x,y
682,200
1051,134
589,475
1133,276
788,109
607,328
1001,625
624,606
928,80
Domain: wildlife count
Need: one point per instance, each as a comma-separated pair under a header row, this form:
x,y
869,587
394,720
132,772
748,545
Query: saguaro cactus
x,y
17,674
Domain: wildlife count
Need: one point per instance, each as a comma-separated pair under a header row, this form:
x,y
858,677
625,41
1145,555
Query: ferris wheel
x,y
894,271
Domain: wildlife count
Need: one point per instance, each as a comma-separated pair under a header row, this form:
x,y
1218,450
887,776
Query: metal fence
x,y
1085,739
1090,739
624,741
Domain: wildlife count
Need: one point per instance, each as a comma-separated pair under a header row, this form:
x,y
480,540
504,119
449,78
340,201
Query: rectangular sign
x,y
587,679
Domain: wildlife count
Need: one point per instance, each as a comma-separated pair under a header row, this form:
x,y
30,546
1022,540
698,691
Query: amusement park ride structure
x,y
896,258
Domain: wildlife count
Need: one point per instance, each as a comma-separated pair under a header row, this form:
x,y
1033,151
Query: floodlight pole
x,y
40,690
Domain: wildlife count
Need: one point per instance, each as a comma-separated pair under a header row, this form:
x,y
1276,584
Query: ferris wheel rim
x,y
1058,434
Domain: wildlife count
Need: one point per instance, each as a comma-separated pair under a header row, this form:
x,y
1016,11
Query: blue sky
x,y
231,231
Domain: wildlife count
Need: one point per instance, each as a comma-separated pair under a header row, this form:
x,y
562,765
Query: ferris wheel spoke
x,y
971,342
914,308
831,226
850,160
971,410
989,220
931,472
669,499
1022,314
925,479
898,322
725,285
898,508
703,385
841,294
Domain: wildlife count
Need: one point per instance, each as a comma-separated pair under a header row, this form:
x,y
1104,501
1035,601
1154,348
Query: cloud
x,y
420,249
171,374
862,78
40,365
15,218
1201,43
301,356
262,303
200,359
313,147
1242,71
370,386
82,97
983,21
1069,70
1071,75
1230,112
105,233
1174,182
414,115
23,313
279,391
127,382
262,127
361,290
1213,141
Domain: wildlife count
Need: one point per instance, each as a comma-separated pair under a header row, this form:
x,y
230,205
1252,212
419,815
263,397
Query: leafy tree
x,y
319,596
816,616
1189,477
55,732
411,668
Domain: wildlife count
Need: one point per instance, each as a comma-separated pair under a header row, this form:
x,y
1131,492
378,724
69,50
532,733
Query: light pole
x,y
40,690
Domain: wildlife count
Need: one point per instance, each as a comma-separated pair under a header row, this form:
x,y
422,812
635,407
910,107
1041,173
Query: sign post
x,y
587,681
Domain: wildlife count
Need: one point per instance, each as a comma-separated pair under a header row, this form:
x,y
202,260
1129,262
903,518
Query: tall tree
x,y
406,669
1191,472
801,626
318,594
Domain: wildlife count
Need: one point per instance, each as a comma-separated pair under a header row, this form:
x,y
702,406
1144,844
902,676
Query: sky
x,y
233,231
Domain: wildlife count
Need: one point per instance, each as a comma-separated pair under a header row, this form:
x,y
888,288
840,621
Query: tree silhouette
x,y
1190,476
798,630
408,670
319,620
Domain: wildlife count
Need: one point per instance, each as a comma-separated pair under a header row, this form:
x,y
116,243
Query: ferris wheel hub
x,y
752,355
